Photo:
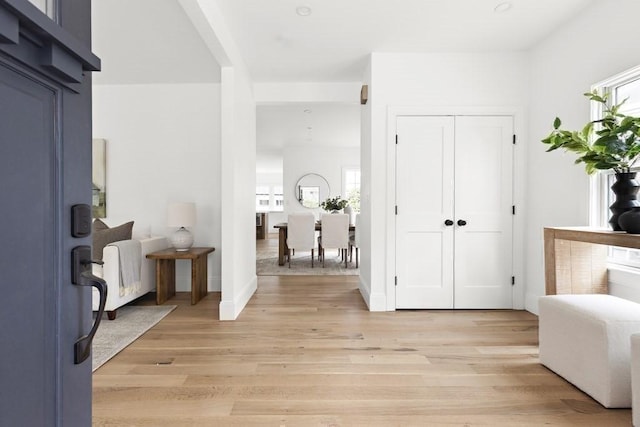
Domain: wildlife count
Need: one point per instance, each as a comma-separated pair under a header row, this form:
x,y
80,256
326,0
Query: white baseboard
x,y
364,291
376,301
230,310
531,303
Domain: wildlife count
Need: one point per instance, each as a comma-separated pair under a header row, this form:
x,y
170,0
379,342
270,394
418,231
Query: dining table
x,y
282,239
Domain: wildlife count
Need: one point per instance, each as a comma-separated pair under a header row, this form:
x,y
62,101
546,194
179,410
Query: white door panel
x,y
429,274
457,168
483,198
424,245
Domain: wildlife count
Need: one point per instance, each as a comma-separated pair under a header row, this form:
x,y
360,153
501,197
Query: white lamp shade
x,y
181,215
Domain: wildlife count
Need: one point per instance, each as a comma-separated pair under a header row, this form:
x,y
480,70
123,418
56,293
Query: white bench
x,y
586,340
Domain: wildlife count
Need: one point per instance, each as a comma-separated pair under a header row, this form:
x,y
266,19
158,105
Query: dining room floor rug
x,y
301,266
130,323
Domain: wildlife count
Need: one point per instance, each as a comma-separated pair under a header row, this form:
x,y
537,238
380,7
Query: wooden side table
x,y
166,272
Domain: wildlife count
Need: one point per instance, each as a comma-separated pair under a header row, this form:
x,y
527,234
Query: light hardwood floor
x,y
305,351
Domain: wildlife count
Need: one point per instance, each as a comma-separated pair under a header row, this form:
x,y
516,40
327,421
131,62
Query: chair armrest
x,y
148,272
110,271
152,244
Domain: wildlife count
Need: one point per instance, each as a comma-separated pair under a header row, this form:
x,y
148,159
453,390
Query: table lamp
x,y
181,215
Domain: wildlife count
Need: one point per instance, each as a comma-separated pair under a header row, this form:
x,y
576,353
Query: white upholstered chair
x,y
301,234
354,242
334,233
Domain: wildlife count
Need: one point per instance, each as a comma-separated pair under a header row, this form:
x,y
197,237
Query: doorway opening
x,y
310,150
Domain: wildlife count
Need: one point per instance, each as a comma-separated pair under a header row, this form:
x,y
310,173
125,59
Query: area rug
x,y
130,323
301,266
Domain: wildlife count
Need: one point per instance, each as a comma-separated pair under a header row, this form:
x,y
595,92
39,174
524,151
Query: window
x,y
262,198
624,86
269,198
278,198
351,187
46,6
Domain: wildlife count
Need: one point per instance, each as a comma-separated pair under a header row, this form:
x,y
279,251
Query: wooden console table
x,y
575,258
261,225
166,272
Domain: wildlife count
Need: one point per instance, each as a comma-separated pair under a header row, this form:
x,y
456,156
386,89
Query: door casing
x,y
519,167
454,222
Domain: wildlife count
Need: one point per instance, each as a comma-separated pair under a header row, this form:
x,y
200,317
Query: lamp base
x,y
182,240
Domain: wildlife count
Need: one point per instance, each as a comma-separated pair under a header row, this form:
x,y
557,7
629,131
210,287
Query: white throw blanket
x,y
130,257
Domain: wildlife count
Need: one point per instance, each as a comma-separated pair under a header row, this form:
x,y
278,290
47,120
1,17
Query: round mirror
x,y
311,189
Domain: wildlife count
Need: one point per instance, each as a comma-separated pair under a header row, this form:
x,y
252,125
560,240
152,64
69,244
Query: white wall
x,y
366,176
239,280
435,82
163,145
238,158
269,178
325,161
593,46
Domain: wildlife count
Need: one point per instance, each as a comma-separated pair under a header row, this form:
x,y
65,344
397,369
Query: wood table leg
x,y
282,245
198,279
549,261
165,280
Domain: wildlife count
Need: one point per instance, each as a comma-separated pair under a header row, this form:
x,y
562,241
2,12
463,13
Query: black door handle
x,y
462,222
81,276
82,348
448,223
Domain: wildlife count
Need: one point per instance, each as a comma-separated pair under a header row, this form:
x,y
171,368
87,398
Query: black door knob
x,y
448,223
462,222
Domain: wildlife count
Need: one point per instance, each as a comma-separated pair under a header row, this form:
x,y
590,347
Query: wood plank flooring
x,y
306,352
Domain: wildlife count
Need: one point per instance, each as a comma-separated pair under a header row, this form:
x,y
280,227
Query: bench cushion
x,y
635,378
586,340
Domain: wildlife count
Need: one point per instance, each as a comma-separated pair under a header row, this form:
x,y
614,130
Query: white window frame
x,y
345,170
275,207
598,209
270,197
47,7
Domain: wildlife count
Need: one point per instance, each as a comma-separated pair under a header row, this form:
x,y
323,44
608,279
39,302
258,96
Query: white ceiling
x,y
142,41
148,41
153,41
304,125
333,42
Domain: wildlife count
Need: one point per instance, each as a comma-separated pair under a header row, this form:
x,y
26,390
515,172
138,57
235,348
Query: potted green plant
x,y
609,143
334,205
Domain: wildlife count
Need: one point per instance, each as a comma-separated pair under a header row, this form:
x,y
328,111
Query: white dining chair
x,y
334,233
354,241
301,233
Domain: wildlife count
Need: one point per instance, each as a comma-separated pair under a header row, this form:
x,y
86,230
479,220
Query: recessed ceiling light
x,y
303,10
502,7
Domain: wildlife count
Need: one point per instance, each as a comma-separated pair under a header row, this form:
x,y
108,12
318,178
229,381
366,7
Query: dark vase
x,y
629,221
625,189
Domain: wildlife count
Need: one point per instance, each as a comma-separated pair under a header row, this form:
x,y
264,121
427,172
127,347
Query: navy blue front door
x,y
45,169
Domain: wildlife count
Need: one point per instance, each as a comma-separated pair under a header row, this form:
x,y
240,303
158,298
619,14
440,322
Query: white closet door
x,y
483,199
424,193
